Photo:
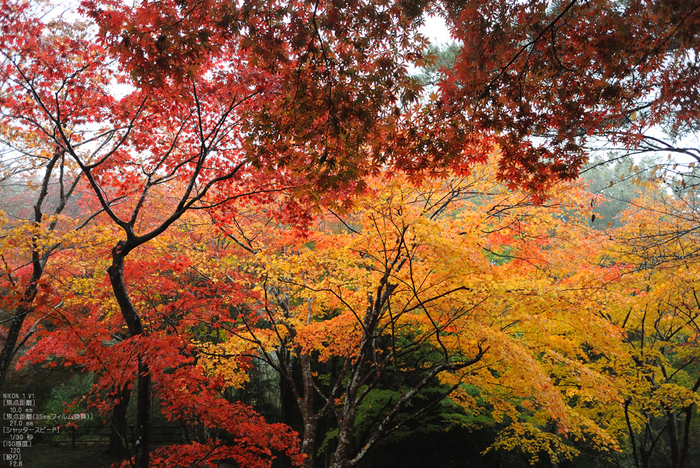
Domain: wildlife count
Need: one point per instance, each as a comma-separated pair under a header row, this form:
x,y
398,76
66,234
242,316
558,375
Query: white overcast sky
x,y
436,30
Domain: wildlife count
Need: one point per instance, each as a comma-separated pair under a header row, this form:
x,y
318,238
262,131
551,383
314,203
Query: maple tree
x,y
30,242
40,166
458,283
88,332
547,79
538,80
658,308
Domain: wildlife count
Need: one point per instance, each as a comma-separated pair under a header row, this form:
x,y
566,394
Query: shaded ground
x,y
48,456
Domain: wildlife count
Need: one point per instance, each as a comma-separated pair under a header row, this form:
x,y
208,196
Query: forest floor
x,y
49,456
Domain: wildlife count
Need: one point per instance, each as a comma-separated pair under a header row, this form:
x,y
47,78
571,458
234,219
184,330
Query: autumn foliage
x,y
195,194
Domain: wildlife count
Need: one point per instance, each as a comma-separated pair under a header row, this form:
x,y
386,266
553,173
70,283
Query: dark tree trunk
x,y
118,444
143,416
10,347
673,442
308,413
289,411
133,321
